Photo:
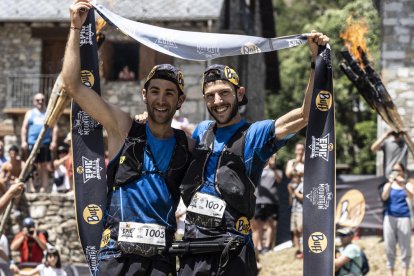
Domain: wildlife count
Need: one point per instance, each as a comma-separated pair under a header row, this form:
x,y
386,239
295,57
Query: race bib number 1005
x,y
145,233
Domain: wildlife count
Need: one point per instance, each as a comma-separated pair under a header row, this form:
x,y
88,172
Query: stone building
x,y
397,61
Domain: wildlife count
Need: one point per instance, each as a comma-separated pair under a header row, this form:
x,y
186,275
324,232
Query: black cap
x,y
166,72
62,149
344,232
28,222
222,72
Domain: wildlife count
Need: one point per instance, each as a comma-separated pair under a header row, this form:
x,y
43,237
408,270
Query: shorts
x,y
243,264
265,212
137,265
296,220
43,155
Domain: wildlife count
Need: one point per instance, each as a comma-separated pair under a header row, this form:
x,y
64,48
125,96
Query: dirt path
x,y
283,263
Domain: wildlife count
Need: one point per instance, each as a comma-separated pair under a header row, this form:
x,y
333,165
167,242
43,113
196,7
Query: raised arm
x,y
376,146
114,120
297,119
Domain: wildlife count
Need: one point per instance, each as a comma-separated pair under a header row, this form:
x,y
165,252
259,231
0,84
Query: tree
x,y
355,121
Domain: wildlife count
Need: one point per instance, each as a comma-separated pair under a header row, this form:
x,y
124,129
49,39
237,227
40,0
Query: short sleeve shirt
x,y
353,252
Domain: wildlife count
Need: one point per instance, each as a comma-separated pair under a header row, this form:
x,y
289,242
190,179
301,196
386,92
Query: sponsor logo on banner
x,y
243,225
350,210
317,242
208,51
91,254
90,169
324,100
295,42
320,196
250,48
166,42
106,236
87,78
320,147
92,214
84,124
86,35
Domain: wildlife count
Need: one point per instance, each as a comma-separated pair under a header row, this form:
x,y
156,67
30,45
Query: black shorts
x,y
43,155
136,265
266,211
243,264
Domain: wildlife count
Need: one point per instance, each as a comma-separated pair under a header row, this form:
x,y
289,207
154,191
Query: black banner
x,y
319,177
88,153
358,202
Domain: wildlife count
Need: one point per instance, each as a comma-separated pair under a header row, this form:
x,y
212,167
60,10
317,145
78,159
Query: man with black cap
x,y
29,242
147,164
349,259
229,158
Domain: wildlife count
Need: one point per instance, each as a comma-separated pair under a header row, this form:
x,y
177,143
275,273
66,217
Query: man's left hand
x,y
316,39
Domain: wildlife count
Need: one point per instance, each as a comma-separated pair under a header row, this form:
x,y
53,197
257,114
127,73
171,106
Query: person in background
x,y
10,170
397,219
61,181
349,260
267,206
394,148
33,122
52,265
295,170
126,74
29,242
3,158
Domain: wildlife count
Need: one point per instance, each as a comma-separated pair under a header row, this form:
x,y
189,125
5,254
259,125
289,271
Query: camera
x,y
31,232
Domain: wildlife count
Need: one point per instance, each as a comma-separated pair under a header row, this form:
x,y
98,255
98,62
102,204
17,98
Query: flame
x,y
354,36
100,24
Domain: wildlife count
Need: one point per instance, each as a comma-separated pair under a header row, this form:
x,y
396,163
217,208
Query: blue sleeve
x,y
260,145
200,130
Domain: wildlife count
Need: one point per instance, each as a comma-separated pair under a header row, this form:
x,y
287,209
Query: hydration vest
x,y
131,161
231,181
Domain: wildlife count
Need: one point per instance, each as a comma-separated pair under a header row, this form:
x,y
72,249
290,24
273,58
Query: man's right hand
x,y
79,12
16,189
24,145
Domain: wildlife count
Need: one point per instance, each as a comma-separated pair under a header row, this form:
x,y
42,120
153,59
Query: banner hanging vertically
x,y
88,153
319,177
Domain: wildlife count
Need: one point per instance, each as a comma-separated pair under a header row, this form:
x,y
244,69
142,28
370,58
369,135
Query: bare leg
x,y
257,228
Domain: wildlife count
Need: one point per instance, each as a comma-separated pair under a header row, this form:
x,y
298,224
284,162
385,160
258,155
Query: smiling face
x,y
162,99
223,102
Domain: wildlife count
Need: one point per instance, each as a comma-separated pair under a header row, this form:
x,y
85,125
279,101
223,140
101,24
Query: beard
x,y
233,113
162,120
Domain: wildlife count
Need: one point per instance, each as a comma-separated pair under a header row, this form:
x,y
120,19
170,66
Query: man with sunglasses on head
x,y
229,158
147,164
33,122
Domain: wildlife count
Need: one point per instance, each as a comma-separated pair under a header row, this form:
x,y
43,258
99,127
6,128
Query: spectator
x,y
349,261
126,74
4,250
52,265
11,169
32,125
29,242
397,220
61,182
3,158
267,205
394,148
69,161
294,171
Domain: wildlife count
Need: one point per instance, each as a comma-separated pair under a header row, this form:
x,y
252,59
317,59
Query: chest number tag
x,y
207,205
144,233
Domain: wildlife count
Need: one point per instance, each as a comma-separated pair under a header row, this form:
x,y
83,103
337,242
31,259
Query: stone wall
x,y
54,213
398,62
